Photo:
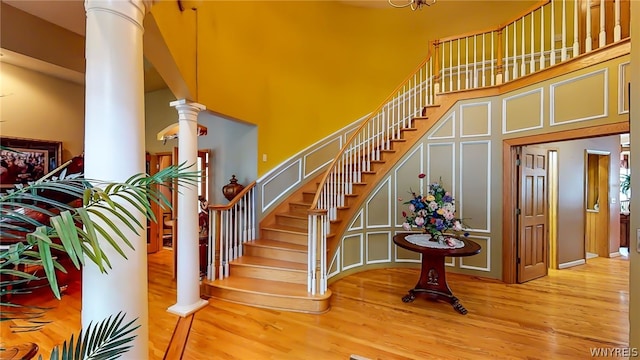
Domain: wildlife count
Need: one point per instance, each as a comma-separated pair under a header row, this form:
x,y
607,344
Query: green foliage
x,y
625,184
106,340
35,220
106,209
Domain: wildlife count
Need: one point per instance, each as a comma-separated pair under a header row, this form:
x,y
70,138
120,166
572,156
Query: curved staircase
x,y
272,271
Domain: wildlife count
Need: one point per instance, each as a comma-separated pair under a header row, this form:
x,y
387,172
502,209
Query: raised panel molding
x,y
279,184
451,162
623,88
320,157
470,176
485,243
446,129
579,82
334,265
348,242
385,186
483,129
357,220
370,247
510,121
402,193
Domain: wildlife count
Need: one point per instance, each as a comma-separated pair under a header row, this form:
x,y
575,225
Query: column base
x,y
186,310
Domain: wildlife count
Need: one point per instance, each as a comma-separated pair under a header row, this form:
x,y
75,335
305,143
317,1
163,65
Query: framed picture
x,y
24,160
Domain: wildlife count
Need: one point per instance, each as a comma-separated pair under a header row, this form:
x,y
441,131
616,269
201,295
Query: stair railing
x,y
540,38
487,58
230,226
364,147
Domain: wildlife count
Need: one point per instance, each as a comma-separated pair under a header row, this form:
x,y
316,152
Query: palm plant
x,y
39,221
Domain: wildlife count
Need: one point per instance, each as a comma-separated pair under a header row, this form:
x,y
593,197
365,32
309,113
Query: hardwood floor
x,y
560,316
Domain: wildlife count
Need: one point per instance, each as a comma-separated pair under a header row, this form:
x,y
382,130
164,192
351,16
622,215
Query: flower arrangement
x,y
434,213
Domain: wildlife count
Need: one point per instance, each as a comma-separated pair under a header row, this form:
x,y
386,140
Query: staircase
x,y
272,271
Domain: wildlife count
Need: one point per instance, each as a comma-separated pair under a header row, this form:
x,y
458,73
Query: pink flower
x,y
419,221
457,226
400,199
450,241
412,207
406,226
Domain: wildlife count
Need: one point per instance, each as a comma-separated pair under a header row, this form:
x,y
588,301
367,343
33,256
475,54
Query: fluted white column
x,y
114,150
187,247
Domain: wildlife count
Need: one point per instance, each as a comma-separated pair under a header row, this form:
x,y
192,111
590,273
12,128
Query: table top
x,y
470,247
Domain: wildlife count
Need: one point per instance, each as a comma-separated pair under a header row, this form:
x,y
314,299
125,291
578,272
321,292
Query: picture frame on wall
x,y
24,160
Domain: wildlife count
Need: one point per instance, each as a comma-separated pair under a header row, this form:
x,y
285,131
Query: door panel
x,y
532,221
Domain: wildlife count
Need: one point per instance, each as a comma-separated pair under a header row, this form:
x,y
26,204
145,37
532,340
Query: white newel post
x,y
188,277
114,150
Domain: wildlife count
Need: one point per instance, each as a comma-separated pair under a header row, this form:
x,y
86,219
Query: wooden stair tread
x,y
284,228
256,261
277,244
302,203
293,215
270,287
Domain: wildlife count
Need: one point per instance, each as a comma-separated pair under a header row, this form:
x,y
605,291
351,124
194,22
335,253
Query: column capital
x,y
184,104
132,10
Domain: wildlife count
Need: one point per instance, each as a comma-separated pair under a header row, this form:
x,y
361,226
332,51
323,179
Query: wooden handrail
x,y
234,201
355,133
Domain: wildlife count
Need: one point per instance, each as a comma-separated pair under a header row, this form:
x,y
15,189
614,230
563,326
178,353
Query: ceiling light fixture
x,y
413,4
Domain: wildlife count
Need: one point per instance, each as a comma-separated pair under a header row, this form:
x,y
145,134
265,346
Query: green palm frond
x,y
103,341
107,207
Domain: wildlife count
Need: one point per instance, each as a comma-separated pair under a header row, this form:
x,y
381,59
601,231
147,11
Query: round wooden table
x,y
433,280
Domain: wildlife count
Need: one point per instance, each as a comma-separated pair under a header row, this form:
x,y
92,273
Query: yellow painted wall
x,y
303,69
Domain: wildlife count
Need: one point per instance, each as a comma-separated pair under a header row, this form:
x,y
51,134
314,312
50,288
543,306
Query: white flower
x,y
448,214
457,226
450,241
412,207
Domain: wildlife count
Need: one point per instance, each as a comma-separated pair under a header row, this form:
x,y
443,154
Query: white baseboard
x,y
572,264
615,254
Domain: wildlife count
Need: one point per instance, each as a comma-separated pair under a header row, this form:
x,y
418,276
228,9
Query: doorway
x,y
163,233
511,189
597,200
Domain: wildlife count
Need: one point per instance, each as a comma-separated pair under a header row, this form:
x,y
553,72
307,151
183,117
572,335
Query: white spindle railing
x,y
365,146
230,227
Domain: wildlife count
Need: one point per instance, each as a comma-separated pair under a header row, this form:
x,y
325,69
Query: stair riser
x,y
275,253
308,197
269,301
300,223
299,209
300,239
258,272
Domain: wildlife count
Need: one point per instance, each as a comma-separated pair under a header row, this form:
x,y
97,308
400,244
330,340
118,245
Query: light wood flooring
x,y
560,316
